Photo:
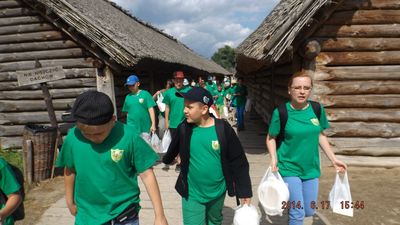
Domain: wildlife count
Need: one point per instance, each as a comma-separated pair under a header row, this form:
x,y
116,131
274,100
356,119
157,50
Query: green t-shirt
x,y
206,180
298,154
176,106
8,185
137,106
240,99
212,88
106,174
221,98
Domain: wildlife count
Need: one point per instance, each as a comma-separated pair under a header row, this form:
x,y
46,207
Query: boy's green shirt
x,y
221,98
176,106
298,154
106,174
8,185
137,106
206,180
240,99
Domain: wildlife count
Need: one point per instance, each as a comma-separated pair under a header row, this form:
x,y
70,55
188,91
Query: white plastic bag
x,y
161,126
146,137
160,104
246,215
165,141
340,196
272,191
247,107
226,112
155,142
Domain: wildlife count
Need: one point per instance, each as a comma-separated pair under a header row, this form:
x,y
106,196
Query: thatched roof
x,y
270,40
127,40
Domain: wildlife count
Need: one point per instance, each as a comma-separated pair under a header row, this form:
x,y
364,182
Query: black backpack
x,y
283,117
19,213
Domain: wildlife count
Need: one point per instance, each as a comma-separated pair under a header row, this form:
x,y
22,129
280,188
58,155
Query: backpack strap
x,y
283,117
316,108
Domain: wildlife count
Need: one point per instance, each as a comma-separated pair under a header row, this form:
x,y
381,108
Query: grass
x,y
13,157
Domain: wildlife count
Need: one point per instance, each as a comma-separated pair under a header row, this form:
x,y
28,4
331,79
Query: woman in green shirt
x,y
297,157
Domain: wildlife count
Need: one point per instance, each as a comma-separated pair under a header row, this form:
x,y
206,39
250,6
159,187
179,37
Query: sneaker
x,y
178,168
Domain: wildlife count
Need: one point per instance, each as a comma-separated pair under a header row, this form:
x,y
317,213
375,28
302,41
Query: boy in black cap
x,y
102,158
212,162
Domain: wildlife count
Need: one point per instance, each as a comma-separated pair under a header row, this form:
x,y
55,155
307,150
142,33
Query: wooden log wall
x,y
25,37
268,89
358,80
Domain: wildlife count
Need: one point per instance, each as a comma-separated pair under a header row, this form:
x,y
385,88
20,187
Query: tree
x,y
225,57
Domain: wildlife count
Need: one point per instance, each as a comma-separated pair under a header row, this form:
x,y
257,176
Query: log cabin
x,y
97,43
353,49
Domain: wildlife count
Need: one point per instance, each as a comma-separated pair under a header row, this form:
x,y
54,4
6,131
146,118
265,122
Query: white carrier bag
x,y
246,215
160,104
165,142
340,196
272,191
155,142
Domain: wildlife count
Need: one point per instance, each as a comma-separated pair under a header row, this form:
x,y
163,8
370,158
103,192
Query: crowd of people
x,y
103,157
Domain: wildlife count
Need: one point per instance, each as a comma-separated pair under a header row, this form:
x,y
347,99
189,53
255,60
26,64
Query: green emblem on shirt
x,y
141,100
116,154
315,121
215,145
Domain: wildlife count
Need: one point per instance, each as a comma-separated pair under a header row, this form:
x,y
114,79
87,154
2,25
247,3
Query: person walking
x,y
240,94
213,162
102,158
293,146
139,106
174,108
10,197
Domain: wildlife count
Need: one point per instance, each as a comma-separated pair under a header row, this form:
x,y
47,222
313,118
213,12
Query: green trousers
x,y
196,213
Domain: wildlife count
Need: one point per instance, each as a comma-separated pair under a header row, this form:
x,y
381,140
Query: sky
x,y
202,25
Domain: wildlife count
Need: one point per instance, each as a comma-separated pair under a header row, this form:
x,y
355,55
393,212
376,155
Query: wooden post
x,y
29,161
105,84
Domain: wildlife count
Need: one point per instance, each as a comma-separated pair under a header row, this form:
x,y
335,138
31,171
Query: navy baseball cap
x,y
132,80
197,94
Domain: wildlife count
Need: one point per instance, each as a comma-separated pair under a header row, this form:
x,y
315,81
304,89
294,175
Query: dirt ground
x,y
377,187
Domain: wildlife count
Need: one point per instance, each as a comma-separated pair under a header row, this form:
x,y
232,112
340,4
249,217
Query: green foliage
x,y
13,157
225,57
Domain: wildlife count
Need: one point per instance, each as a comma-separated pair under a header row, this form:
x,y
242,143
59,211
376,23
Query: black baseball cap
x,y
92,108
197,94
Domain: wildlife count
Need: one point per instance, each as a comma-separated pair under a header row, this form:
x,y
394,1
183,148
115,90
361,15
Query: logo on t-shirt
x,y
141,100
315,121
116,154
215,145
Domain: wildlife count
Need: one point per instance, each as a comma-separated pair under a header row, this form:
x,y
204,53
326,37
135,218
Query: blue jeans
x,y
303,192
133,221
240,116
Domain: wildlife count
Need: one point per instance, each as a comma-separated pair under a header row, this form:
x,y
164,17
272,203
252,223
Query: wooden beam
x,y
25,28
363,114
34,105
356,87
359,58
369,161
364,17
359,44
15,12
69,74
65,83
105,83
11,142
37,94
369,4
31,37
360,101
386,72
366,146
46,54
65,63
22,118
9,4
37,46
370,30
364,129
20,20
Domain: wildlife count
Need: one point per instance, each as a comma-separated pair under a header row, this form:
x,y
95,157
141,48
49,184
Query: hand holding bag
x,y
340,196
272,191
